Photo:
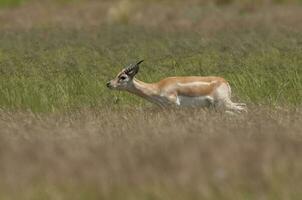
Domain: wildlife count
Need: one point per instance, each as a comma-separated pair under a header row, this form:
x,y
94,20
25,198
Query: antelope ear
x,y
132,70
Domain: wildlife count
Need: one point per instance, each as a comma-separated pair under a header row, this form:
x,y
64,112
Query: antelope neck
x,y
143,89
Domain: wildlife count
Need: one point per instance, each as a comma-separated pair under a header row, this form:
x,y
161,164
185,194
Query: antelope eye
x,y
123,77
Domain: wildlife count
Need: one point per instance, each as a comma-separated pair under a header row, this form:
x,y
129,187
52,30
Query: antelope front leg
x,y
173,100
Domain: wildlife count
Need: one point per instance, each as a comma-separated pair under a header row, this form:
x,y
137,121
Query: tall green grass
x,y
53,69
15,3
11,3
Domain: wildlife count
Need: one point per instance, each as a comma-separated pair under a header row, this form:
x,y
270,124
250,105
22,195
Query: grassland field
x,y
64,135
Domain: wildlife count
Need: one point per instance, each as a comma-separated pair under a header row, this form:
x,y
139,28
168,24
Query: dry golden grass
x,y
151,154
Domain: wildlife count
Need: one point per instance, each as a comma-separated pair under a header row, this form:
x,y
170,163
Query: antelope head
x,y
124,79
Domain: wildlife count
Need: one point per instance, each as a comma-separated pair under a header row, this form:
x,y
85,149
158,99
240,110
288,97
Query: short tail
x,y
239,107
235,107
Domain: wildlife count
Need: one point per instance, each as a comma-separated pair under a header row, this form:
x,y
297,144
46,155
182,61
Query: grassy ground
x,y
64,135
151,154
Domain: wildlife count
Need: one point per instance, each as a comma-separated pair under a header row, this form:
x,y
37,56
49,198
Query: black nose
x,y
108,84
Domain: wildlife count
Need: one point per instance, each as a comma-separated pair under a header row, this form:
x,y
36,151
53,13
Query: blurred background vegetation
x,y
5,3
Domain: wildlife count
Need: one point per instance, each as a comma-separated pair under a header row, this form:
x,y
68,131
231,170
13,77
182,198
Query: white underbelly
x,y
200,101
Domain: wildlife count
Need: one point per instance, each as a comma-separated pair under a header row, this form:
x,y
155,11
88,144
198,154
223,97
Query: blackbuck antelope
x,y
194,91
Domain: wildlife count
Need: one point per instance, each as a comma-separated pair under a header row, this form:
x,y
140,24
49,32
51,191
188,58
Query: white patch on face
x,y
200,101
194,84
